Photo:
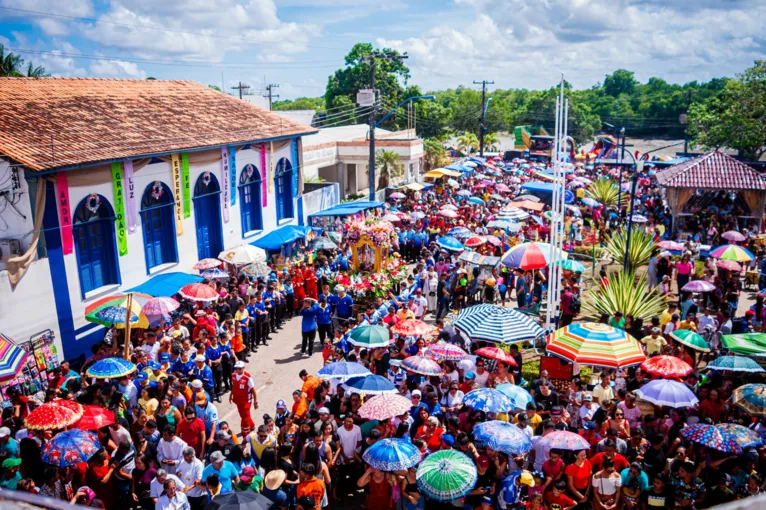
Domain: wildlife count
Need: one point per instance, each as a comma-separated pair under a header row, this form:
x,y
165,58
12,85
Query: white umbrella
x,y
391,217
449,207
637,218
453,183
243,255
513,213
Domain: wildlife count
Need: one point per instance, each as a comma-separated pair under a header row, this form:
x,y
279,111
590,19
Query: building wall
x,y
36,290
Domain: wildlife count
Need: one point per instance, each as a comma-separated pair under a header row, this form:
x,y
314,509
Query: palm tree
x,y
434,151
388,167
491,140
467,141
626,293
36,72
604,191
639,251
10,63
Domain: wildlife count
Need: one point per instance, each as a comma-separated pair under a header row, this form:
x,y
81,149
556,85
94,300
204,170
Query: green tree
x,y
619,82
435,154
491,141
215,87
12,66
737,117
388,167
301,103
468,142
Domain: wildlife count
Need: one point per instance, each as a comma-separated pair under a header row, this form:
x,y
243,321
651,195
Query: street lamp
x,y
630,209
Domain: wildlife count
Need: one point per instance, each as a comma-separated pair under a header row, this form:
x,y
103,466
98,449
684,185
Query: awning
x,y
166,284
538,187
477,259
415,186
452,173
746,344
434,174
347,209
281,236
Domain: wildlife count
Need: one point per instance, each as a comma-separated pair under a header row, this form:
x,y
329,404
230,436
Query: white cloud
x,y
117,69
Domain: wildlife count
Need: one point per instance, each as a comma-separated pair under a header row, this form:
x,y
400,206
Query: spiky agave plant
x,y
639,252
627,295
604,191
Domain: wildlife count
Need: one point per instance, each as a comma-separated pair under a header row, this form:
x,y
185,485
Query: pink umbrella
x,y
733,236
502,187
397,195
487,182
198,292
494,241
698,286
670,245
447,213
729,265
206,264
480,186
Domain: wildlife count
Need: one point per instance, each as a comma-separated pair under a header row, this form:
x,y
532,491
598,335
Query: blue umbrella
x,y
498,324
569,197
502,437
537,219
591,202
476,200
342,370
735,364
460,232
70,447
214,274
370,385
392,455
488,400
110,368
518,395
450,243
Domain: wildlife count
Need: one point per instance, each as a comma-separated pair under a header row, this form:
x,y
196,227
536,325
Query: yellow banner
x,y
175,163
271,167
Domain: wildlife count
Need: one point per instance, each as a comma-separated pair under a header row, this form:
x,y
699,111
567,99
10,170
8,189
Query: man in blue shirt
x,y
227,473
309,314
261,320
324,320
343,305
214,357
202,372
208,413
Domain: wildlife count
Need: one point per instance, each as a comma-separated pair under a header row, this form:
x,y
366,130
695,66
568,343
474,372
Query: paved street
x,y
275,369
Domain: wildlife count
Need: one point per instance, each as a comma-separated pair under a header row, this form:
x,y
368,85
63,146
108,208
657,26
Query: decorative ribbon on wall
x,y
233,173
271,167
65,213
130,187
185,183
175,165
264,176
296,166
226,188
119,209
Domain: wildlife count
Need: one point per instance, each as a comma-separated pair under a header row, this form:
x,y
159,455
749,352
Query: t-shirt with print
x,y
653,500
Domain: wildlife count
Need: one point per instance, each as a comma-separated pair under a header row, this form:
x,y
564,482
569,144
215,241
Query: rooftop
x,y
48,123
713,170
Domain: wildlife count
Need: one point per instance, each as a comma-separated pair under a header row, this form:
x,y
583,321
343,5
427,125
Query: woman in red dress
x,y
310,279
298,287
380,483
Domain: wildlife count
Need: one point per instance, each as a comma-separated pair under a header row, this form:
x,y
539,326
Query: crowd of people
x,y
167,447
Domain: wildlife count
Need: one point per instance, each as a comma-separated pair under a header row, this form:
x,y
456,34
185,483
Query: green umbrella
x,y
446,475
369,337
572,265
746,344
690,339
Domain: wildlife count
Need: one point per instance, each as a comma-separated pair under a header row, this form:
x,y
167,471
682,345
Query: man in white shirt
x,y
421,304
350,436
588,408
707,319
602,391
155,488
190,473
152,346
170,450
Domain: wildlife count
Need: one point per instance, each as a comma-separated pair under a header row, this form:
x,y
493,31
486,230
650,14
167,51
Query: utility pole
x,y
243,89
483,84
271,96
375,55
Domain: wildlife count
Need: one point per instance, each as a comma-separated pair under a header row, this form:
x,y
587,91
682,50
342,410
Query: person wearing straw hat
x,y
272,487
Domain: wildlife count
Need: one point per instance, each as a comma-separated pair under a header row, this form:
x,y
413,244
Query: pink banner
x,y
264,178
65,213
130,191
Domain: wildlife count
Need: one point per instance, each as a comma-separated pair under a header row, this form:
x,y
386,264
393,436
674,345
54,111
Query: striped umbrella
x,y
690,339
513,213
444,351
503,437
215,274
498,324
206,264
530,256
342,370
668,367
488,400
198,292
110,368
386,406
256,270
392,455
732,252
369,337
109,316
662,392
446,475
735,364
751,398
594,344
116,300
518,395
422,365
412,327
12,358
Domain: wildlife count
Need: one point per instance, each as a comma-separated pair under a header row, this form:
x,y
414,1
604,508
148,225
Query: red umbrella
x,y
58,414
668,367
475,241
198,292
94,417
497,354
412,327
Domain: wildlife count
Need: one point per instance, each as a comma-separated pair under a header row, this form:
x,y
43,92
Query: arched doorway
x,y
283,180
158,225
250,207
95,243
207,216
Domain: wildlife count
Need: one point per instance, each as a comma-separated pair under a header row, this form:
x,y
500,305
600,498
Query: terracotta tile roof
x,y
713,170
50,123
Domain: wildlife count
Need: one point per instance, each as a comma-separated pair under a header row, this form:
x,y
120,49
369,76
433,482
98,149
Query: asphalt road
x,y
275,371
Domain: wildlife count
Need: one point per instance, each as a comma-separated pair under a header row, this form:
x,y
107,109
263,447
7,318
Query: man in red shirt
x,y
192,430
620,462
566,306
243,394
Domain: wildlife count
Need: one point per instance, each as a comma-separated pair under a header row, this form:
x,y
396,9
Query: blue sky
x,y
298,43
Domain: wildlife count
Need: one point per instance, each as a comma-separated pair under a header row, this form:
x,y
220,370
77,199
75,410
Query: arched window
x,y
158,225
207,216
250,207
283,179
95,243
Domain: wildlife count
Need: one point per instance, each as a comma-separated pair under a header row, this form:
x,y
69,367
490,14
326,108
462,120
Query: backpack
x,y
575,304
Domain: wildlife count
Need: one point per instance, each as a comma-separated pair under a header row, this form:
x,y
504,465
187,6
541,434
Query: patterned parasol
x,y
751,398
502,437
565,440
497,354
160,307
444,351
488,400
412,327
735,364
111,368
422,365
386,406
729,265
668,367
671,245
12,358
58,414
744,437
392,455
215,274
94,417
594,344
70,447
712,437
690,339
256,270
342,370
446,475
198,292
206,264
698,286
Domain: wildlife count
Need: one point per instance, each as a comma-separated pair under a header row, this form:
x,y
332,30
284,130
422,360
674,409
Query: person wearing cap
x,y
223,443
281,414
244,396
9,447
203,373
509,495
588,408
208,413
11,474
654,342
189,470
342,305
249,480
227,473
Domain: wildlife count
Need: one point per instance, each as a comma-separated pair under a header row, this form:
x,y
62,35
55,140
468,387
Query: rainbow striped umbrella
x,y
732,252
530,256
116,300
12,358
111,311
598,345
